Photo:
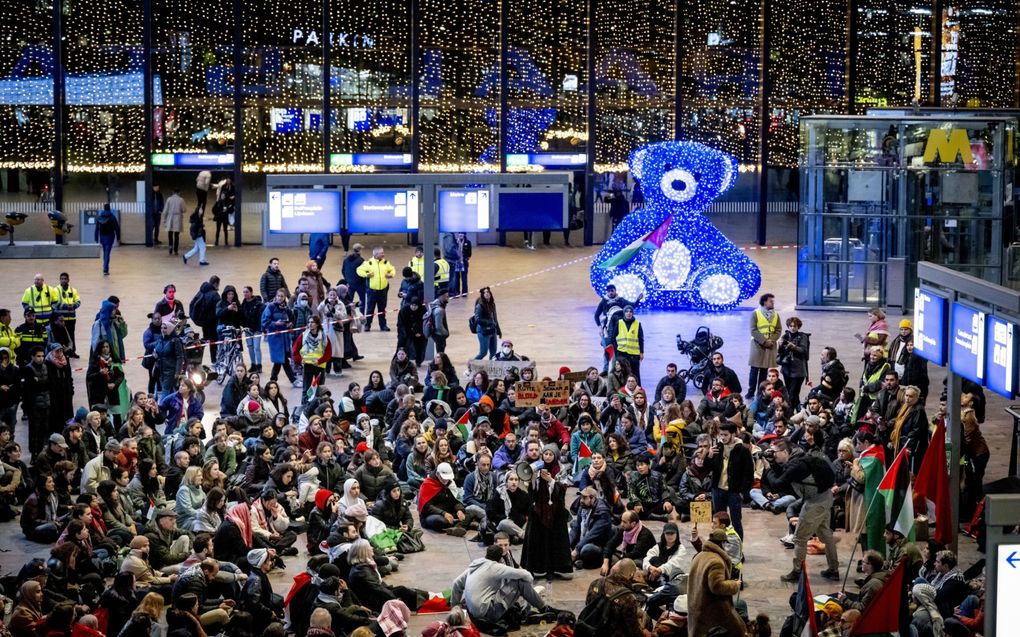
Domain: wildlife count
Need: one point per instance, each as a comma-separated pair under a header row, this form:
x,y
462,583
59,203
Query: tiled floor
x,y
547,311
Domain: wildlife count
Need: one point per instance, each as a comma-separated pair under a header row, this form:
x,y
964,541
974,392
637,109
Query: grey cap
x,y
57,439
112,445
813,420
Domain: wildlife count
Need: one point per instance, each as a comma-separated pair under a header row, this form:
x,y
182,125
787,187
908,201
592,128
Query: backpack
x,y
428,324
598,613
473,324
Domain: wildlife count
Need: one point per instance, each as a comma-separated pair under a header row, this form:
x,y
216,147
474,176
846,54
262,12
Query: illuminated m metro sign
x,y
947,145
310,37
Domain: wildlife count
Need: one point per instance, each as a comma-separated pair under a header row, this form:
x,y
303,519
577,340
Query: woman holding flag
x,y
312,351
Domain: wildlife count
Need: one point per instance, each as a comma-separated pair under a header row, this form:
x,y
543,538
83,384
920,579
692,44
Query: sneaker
x,y
792,576
203,263
456,531
831,574
385,329
185,258
298,383
290,551
578,565
787,539
542,616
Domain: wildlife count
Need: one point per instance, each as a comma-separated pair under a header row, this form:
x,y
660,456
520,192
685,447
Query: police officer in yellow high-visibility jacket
x,y
67,307
42,299
378,271
628,339
417,262
765,332
8,337
442,271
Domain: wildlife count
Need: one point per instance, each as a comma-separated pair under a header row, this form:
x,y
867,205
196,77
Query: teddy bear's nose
x,y
679,185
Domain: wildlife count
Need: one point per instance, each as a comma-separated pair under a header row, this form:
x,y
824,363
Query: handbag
x,y
410,541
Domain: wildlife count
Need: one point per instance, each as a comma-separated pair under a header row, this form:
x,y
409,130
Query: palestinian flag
x,y
804,605
610,351
312,387
931,486
583,457
899,497
437,602
463,426
887,612
872,461
651,241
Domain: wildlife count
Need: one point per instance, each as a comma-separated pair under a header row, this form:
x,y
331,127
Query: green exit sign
x,y
162,159
341,159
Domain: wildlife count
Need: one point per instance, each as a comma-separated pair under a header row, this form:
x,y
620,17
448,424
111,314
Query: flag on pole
x,y
899,499
312,387
931,486
583,457
610,351
651,241
872,461
804,606
887,612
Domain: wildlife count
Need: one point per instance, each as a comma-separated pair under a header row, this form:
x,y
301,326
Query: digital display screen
x,y
547,160
464,210
370,159
192,160
304,211
967,342
286,120
528,209
930,326
378,211
1000,356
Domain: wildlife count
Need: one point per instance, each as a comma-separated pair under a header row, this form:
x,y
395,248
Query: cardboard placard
x,y
554,393
701,512
500,369
575,377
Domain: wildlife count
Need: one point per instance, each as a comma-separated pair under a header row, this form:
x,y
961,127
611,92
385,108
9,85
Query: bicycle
x,y
229,354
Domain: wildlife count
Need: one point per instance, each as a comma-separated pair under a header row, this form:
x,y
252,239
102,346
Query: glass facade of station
x,y
467,85
879,194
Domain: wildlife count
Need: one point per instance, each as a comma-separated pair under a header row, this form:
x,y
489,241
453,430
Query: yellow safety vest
x,y
764,325
70,299
375,271
42,301
443,273
418,265
732,535
311,355
627,339
9,339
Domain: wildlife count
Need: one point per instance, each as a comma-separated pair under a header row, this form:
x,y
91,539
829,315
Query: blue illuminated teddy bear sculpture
x,y
668,251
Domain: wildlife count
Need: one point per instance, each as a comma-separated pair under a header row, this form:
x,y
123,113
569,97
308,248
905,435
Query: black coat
x,y
520,504
368,587
202,309
229,545
546,541
635,551
740,473
61,396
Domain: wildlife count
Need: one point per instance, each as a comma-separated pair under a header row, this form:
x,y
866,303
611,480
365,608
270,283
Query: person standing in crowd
x,y
457,253
196,227
173,220
107,231
440,330
202,310
351,263
223,209
794,352
486,324
812,477
546,551
910,429
271,281
410,287
157,213
765,332
251,313
877,334
10,389
312,351
378,272
41,298
36,398
67,307
8,337
409,330
607,314
61,387
628,337
30,334
417,262
441,270
276,319
710,590
732,474
202,184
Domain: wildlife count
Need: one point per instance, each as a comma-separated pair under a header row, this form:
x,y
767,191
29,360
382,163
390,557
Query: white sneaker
x,y
787,539
540,590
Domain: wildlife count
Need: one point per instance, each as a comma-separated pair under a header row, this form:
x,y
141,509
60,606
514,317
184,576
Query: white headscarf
x,y
347,500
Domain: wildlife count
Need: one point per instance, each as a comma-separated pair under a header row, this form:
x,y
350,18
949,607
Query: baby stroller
x,y
700,350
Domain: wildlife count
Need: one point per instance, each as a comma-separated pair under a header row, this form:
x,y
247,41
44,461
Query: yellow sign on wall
x,y
947,146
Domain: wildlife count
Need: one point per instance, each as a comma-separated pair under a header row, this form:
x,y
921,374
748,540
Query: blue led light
x,y
696,267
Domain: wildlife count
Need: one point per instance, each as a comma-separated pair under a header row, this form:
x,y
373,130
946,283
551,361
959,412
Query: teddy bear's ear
x,y
637,158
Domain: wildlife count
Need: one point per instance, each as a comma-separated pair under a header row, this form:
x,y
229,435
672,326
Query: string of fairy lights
x,y
459,42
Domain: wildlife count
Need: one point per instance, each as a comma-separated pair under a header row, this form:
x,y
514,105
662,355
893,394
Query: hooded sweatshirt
x,y
487,588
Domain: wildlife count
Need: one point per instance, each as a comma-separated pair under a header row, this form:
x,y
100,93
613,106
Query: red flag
x,y
931,486
465,419
610,351
584,451
804,606
885,612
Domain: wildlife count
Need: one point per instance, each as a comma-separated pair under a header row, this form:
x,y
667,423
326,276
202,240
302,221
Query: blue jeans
x,y
107,243
254,345
729,501
779,503
199,248
486,344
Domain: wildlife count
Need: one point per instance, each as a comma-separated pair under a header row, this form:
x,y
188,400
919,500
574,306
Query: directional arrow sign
x,y
1006,590
1012,559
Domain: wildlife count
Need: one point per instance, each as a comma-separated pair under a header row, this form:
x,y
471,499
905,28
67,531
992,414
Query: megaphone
x,y
525,472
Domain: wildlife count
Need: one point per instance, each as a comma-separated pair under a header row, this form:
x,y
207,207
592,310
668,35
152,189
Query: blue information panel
x,y
379,211
1000,356
547,160
526,209
464,210
193,160
304,211
967,342
286,120
930,326
397,160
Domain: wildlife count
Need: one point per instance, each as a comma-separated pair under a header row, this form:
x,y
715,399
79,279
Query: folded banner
x,y
500,369
555,393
